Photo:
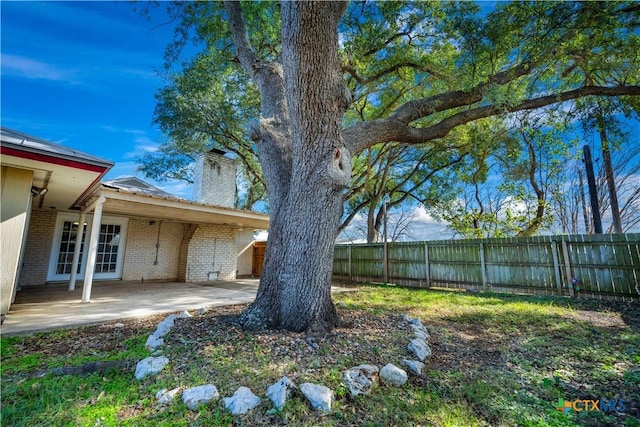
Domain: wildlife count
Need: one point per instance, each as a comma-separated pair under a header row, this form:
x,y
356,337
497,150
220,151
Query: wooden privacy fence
x,y
577,265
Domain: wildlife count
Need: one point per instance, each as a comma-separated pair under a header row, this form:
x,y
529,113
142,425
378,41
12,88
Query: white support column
x,y
93,249
76,251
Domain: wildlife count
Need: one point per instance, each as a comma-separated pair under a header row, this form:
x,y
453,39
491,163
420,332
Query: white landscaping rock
x,y
184,315
193,397
419,328
242,401
319,396
165,326
153,342
360,379
150,366
164,397
415,321
422,335
419,348
393,375
280,391
414,366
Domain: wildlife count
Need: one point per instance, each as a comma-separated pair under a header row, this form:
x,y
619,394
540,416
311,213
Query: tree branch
x,y
363,135
386,42
246,55
417,109
363,81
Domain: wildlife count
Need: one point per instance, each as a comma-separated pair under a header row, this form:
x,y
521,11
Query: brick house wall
x,y
212,248
38,247
187,252
140,251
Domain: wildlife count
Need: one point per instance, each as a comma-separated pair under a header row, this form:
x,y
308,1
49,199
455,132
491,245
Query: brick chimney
x,y
215,179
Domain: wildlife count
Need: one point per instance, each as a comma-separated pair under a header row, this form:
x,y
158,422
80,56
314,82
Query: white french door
x,y
111,244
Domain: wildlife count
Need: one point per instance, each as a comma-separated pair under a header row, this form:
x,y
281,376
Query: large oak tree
x,y
424,69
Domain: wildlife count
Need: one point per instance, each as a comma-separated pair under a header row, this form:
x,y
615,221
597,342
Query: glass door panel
x,y
68,242
108,245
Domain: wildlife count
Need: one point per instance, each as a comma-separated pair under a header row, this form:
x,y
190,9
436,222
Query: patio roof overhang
x,y
132,204
172,209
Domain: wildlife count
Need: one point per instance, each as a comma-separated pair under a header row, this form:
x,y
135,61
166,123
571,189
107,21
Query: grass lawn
x,y
497,360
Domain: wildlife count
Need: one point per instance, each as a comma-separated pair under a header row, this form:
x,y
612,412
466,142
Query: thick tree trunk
x,y
307,168
373,236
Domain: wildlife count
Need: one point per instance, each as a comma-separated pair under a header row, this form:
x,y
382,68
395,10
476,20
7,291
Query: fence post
x,y
482,267
567,266
426,264
349,263
556,266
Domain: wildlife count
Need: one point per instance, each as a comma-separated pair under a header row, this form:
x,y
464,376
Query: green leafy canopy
x,y
475,67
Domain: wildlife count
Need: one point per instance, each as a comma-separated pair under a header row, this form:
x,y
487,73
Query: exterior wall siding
x,y
15,207
140,252
38,248
212,249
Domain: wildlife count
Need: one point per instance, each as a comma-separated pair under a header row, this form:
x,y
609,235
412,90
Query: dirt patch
x,y
369,338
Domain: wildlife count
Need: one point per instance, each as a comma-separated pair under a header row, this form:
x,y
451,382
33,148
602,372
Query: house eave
x,y
173,209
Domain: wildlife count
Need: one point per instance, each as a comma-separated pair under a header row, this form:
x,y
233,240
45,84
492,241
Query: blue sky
x,y
83,74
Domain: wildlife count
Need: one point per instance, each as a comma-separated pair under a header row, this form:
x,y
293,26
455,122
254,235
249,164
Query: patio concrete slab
x,y
54,307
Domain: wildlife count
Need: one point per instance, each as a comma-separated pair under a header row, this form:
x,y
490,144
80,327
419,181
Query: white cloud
x,y
142,145
141,141
121,169
175,187
20,66
422,227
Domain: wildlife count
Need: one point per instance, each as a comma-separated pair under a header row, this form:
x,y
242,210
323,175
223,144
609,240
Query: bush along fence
x,y
578,265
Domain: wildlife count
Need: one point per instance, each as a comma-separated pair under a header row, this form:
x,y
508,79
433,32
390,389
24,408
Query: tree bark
x,y
534,225
306,166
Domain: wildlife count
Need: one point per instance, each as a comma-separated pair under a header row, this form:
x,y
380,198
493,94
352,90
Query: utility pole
x,y
593,191
608,171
